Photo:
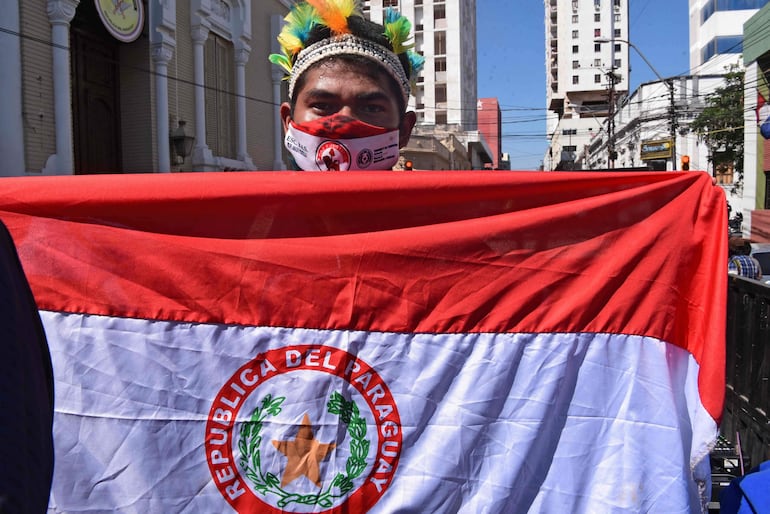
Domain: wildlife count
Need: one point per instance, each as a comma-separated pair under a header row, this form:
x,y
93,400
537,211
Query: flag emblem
x,y
270,448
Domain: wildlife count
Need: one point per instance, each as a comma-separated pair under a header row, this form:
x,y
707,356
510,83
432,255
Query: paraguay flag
x,y
488,342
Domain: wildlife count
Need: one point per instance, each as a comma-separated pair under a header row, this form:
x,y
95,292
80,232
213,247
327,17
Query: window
x,y
440,63
597,62
439,12
390,3
575,65
440,93
574,34
220,102
724,173
597,47
418,27
441,118
597,4
574,5
722,45
617,32
575,49
597,79
617,63
597,17
439,43
617,47
616,3
597,32
569,148
569,132
575,79
574,18
617,17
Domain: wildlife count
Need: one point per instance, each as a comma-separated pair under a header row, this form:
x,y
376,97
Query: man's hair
x,y
365,29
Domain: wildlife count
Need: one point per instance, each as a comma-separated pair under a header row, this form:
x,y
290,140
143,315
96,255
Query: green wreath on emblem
x,y
250,441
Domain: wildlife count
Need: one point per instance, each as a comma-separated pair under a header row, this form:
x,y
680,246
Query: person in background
x,y
349,85
741,262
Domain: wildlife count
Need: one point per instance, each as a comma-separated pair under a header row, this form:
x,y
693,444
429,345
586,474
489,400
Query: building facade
x,y
716,33
77,99
755,207
652,127
587,70
446,94
490,126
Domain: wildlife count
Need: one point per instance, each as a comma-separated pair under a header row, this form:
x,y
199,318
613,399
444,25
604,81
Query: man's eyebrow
x,y
373,96
320,93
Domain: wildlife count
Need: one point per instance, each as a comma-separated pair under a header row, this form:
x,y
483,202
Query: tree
x,y
720,125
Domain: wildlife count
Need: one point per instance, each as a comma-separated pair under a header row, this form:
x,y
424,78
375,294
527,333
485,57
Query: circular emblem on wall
x,y
124,19
332,156
303,429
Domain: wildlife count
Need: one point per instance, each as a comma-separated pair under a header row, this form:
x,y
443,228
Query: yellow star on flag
x,y
304,453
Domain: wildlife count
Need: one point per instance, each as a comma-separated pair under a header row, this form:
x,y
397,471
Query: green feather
x,y
397,29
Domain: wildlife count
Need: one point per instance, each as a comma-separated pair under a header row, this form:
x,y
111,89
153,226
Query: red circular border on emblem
x,y
224,411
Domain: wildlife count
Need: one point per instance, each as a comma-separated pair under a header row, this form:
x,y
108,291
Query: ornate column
x,y
276,75
161,55
201,152
60,14
241,58
11,120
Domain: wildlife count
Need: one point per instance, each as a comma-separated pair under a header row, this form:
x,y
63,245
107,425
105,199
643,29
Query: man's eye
x,y
372,108
321,107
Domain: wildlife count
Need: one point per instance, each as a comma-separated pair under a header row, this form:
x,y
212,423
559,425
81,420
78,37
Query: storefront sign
x,y
123,19
656,149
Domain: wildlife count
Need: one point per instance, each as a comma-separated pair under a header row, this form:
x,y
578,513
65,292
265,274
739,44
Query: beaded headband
x,y
348,44
296,57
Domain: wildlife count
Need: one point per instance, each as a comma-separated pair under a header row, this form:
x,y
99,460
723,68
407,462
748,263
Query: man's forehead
x,y
339,77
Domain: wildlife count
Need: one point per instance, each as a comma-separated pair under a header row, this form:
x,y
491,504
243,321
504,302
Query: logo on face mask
x,y
332,156
342,143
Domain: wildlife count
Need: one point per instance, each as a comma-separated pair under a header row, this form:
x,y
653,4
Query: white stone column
x,y
241,150
200,34
276,75
161,56
60,14
11,121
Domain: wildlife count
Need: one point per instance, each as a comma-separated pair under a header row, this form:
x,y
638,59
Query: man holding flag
x,y
373,342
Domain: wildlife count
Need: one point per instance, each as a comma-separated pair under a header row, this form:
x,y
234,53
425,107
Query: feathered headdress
x,y
296,57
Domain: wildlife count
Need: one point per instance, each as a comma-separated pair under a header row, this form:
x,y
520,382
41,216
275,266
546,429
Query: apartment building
x,y
716,33
587,70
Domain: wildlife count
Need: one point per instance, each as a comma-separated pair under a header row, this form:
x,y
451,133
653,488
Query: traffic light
x,y
685,163
408,165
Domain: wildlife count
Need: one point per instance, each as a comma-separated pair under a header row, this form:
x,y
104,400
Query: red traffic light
x,y
685,163
408,165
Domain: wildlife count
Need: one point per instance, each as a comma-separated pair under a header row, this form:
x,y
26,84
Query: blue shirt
x,y
744,266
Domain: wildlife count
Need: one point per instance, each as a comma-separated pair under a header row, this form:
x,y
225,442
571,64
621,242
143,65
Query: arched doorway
x,y
95,94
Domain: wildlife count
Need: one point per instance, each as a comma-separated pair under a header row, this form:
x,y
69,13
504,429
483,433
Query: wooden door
x,y
95,94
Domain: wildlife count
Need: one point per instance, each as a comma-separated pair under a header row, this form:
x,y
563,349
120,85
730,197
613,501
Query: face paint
x,y
341,143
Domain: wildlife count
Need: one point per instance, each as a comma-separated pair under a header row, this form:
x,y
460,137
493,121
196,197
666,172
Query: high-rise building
x,y
716,33
587,71
445,34
490,127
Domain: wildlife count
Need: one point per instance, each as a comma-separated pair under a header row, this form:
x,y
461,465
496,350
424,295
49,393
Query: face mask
x,y
341,143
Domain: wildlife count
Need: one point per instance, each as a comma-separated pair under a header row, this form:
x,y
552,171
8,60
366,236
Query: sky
x,y
511,62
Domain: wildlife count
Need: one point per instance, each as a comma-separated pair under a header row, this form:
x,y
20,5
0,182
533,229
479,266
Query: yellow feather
x,y
291,44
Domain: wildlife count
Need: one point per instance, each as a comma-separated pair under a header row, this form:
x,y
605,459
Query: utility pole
x,y
611,120
672,121
611,110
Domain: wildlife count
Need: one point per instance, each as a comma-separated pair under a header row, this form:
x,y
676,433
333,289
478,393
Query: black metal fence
x,y
746,418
